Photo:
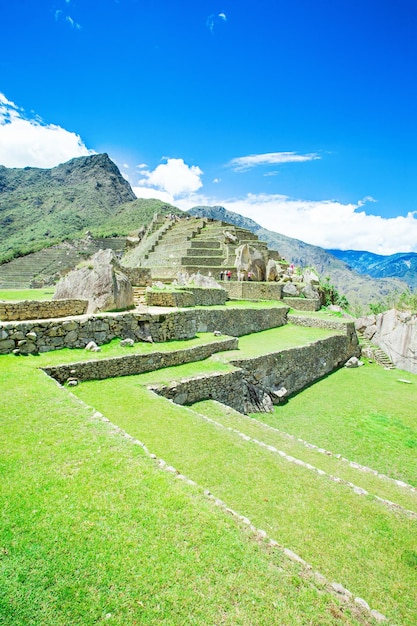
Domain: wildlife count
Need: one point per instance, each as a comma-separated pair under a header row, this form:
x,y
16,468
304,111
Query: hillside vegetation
x,y
41,207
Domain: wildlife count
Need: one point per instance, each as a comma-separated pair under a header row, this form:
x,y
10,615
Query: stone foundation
x,y
37,310
53,334
248,290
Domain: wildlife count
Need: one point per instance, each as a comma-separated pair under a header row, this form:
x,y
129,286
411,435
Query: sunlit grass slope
x,y
91,532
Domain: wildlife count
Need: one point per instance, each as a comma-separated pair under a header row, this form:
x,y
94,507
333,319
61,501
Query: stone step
x,y
139,295
199,253
202,261
204,243
380,357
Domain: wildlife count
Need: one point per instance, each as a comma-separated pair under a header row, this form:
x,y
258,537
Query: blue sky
x,y
301,114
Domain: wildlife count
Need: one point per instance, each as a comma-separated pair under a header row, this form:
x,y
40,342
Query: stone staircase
x,y
375,353
139,295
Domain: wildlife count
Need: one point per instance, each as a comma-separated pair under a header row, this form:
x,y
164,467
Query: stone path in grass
x,y
291,459
188,442
380,486
343,595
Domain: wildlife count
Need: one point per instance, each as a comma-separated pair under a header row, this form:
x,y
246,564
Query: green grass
x,y
27,294
92,532
275,339
114,349
349,538
255,427
364,414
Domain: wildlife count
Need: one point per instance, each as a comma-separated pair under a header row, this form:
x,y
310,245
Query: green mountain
x,y
41,207
358,289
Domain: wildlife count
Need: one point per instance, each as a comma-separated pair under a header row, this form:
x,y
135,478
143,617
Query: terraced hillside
x,y
47,265
191,245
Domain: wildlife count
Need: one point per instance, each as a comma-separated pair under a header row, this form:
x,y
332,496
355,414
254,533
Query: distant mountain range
x,y
42,207
401,265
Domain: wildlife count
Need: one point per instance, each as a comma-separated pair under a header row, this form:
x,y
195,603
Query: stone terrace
x,y
191,245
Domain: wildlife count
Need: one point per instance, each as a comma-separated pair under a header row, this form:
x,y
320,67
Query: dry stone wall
x,y
137,363
34,336
295,368
226,387
36,310
189,296
239,322
168,298
303,304
253,380
247,290
138,276
42,336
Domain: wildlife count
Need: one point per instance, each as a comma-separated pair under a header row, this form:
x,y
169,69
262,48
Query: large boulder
x,y
311,277
395,332
272,271
250,261
101,281
290,290
310,292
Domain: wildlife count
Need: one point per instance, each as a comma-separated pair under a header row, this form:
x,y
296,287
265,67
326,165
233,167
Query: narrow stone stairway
x,y
373,352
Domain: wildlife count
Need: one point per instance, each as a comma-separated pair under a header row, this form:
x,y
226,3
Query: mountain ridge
x,y
41,207
401,265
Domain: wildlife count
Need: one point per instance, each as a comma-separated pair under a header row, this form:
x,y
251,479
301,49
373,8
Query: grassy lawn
x,y
275,339
255,427
92,532
364,414
27,294
351,539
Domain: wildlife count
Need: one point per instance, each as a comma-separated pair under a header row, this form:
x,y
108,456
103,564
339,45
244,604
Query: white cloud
x,y
241,164
326,223
174,177
72,22
147,192
60,17
30,142
213,19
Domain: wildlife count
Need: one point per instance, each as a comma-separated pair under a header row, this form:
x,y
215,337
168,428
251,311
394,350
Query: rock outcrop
x,y
101,281
395,332
250,262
